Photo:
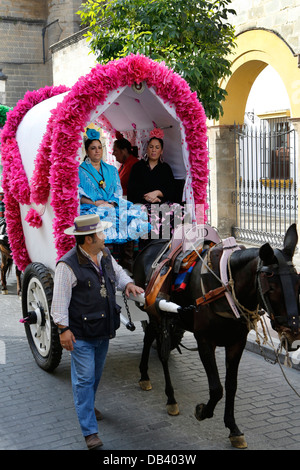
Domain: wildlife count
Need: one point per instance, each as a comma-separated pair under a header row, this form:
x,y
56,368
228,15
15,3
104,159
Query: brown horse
x,y
260,279
7,260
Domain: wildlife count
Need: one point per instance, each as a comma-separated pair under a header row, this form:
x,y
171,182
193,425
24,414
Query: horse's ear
x,y
266,254
290,240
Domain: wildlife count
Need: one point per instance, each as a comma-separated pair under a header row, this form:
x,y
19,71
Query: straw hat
x,y
87,224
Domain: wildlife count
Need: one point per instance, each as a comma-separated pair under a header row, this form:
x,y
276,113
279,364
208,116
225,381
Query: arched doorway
x,y
255,50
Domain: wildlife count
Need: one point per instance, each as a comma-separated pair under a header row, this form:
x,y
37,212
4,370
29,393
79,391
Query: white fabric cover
x,y
135,115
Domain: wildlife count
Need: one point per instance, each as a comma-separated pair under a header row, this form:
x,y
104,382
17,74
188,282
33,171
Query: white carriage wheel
x,y
41,332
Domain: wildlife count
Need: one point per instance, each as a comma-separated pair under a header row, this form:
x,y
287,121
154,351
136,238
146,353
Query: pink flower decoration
x,y
63,138
14,180
157,132
33,218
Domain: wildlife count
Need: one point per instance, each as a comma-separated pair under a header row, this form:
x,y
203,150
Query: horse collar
x,y
229,246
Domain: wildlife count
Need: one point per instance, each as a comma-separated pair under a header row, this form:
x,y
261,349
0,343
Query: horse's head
x,y
279,286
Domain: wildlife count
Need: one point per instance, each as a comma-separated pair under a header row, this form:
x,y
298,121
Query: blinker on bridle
x,y
288,278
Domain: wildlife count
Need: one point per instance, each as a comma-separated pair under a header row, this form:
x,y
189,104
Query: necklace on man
x,y
103,290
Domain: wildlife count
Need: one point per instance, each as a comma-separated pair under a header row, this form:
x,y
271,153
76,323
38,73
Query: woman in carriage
x,y
100,192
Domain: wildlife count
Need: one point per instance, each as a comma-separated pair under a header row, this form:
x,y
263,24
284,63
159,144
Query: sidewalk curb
x,y
268,352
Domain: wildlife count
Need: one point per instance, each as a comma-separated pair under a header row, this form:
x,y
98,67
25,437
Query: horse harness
x,y
159,282
227,246
159,279
3,232
289,278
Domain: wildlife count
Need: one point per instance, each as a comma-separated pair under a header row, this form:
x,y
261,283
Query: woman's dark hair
x,y
159,140
88,142
123,144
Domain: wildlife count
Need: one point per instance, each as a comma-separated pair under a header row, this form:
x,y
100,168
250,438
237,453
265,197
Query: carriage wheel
x,y
40,329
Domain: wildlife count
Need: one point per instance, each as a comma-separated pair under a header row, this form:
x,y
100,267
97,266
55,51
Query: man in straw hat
x,y
85,310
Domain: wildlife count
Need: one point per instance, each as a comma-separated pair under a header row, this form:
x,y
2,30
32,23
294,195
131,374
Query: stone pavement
x,y
37,412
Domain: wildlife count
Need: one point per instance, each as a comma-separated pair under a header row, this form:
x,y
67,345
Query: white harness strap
x,y
229,246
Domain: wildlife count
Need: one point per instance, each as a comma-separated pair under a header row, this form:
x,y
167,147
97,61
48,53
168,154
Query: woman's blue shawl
x,y
130,221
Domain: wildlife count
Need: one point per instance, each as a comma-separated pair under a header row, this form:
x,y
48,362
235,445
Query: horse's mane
x,y
240,258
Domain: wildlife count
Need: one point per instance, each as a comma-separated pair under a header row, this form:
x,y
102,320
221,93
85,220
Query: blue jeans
x,y
87,363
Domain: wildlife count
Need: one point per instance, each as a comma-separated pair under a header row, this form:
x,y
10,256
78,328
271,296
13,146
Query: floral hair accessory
x,y
157,132
92,134
119,136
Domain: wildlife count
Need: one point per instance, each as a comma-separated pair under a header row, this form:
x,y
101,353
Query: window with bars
x,y
280,153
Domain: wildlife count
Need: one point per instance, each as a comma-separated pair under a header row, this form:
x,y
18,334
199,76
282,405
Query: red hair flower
x,y
157,132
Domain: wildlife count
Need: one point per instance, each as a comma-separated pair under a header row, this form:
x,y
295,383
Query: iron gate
x,y
265,182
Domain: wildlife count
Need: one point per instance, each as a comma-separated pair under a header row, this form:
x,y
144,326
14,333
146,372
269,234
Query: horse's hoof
x,y
239,442
173,410
199,412
145,385
5,292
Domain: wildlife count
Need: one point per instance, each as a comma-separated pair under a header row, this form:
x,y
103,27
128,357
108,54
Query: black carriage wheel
x,y
41,332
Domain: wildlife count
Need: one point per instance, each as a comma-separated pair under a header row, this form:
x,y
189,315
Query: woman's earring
x,y
87,160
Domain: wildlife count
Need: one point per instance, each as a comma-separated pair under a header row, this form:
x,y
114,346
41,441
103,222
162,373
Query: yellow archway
x,y
255,49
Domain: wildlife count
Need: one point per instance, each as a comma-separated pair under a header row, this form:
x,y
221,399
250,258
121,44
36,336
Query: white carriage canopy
x,y
42,146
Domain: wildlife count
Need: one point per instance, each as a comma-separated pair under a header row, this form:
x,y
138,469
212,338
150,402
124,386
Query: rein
x,y
254,316
243,310
284,270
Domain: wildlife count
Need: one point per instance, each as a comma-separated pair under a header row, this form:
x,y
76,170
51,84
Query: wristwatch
x,y
62,330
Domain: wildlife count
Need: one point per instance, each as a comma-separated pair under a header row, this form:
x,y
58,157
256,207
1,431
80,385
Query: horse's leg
x,y
172,406
3,279
149,337
18,276
6,263
207,355
233,357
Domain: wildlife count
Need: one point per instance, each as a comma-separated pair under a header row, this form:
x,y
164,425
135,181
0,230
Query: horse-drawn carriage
x,y
41,151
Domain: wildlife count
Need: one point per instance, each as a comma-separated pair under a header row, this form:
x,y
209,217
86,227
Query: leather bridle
x,y
288,276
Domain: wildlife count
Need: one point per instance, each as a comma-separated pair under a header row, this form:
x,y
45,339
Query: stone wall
x,y
27,30
281,16
72,58
26,9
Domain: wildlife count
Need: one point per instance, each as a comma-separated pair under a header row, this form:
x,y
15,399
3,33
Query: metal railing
x,y
265,182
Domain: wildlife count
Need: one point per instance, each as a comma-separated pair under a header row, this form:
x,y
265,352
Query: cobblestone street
x,y
37,411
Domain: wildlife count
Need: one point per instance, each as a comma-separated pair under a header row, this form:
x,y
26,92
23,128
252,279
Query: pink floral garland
x,y
14,179
64,137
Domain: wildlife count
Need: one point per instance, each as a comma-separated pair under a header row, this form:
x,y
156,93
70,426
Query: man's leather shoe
x,y
93,442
